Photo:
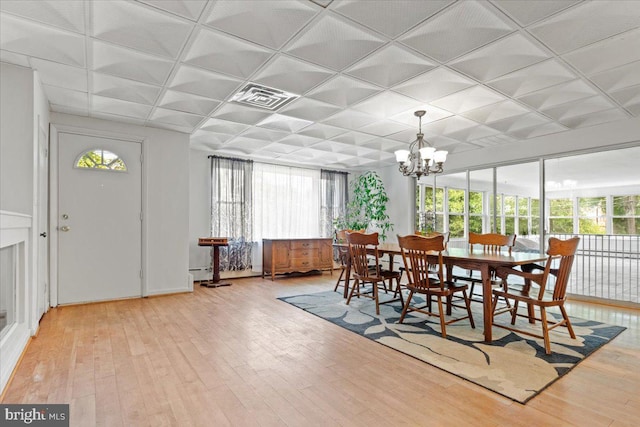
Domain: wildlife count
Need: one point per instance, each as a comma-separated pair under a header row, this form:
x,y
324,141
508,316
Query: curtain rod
x,y
211,156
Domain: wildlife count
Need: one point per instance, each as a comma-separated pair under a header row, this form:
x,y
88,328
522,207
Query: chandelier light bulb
x,y
421,158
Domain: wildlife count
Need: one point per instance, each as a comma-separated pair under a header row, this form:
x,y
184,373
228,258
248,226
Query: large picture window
x,y
626,214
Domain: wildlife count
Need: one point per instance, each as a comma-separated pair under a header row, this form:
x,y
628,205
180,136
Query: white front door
x,y
43,223
99,219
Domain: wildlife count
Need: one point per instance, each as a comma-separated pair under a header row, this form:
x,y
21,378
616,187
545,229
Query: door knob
x,y
65,228
44,234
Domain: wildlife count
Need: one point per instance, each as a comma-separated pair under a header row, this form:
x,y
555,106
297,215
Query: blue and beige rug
x,y
513,365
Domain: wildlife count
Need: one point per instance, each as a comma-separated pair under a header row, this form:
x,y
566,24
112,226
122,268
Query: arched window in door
x,y
102,160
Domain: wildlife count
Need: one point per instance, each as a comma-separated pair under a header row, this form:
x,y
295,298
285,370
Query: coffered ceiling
x,y
488,73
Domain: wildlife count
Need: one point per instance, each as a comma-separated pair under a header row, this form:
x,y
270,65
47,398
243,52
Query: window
x,y
102,160
561,216
456,212
475,211
509,214
523,216
432,210
626,214
592,215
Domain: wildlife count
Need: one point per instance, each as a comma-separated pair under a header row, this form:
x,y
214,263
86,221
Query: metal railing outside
x,y
606,267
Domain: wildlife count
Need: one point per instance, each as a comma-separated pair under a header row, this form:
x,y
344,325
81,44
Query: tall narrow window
x,y
626,214
592,215
102,160
561,216
334,189
231,210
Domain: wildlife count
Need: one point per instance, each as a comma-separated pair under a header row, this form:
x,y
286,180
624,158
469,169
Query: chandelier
x,y
421,158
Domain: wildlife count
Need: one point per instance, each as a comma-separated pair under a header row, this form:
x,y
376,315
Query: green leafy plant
x,y
368,208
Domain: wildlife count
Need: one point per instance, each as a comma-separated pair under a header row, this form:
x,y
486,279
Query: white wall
x,y
16,138
199,210
166,204
401,192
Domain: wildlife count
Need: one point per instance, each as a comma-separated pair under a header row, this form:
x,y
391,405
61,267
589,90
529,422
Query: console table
x,y
216,243
296,255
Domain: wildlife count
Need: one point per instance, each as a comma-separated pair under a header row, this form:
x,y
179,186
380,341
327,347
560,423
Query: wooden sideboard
x,y
296,255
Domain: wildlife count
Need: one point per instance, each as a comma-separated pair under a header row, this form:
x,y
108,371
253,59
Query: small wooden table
x,y
216,243
468,259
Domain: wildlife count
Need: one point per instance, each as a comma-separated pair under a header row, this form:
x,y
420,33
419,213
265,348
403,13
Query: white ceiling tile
x,y
539,131
607,54
559,94
277,148
333,42
456,31
267,23
65,14
190,9
141,28
309,109
188,103
353,138
14,58
434,85
528,12
494,140
629,98
473,133
386,104
384,144
390,66
54,74
618,78
31,39
589,23
177,118
448,126
117,118
594,118
205,83
468,99
240,114
210,137
265,134
349,119
390,18
299,140
66,97
291,75
498,58
129,64
127,90
224,127
322,131
285,123
409,118
532,78
578,108
384,128
218,52
495,112
243,145
118,107
516,123
343,91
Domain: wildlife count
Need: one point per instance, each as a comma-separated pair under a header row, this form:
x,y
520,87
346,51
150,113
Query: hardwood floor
x,y
238,356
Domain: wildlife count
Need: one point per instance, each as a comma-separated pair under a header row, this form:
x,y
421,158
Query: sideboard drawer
x,y
303,264
305,253
304,244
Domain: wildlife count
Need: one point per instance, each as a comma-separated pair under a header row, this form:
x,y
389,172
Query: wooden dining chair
x,y
417,254
561,254
361,248
490,243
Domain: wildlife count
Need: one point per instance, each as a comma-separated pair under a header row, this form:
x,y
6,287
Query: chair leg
x,y
441,315
406,307
339,280
514,313
356,283
467,302
568,322
375,295
545,330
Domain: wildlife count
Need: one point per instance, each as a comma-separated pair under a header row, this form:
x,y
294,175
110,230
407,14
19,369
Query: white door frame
x,y
55,131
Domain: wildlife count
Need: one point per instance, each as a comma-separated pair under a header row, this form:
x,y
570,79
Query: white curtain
x,y
286,202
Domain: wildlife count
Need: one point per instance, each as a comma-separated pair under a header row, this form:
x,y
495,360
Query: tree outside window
x,y
561,216
626,214
592,215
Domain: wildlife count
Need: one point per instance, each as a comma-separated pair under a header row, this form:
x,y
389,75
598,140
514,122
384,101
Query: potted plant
x,y
367,209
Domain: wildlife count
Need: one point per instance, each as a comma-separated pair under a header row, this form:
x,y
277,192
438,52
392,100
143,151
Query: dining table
x,y
469,259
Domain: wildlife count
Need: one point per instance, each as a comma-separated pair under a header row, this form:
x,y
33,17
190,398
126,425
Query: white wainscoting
x,y
15,231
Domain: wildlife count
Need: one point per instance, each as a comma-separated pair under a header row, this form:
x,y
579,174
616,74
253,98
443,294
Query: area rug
x,y
513,365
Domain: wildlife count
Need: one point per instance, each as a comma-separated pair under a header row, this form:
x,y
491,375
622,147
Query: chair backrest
x,y
492,242
445,234
362,245
417,254
343,251
562,253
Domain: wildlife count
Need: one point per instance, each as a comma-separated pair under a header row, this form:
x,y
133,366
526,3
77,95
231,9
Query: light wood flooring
x,y
238,356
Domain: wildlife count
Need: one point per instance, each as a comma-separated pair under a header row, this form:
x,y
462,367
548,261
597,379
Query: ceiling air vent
x,y
256,95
